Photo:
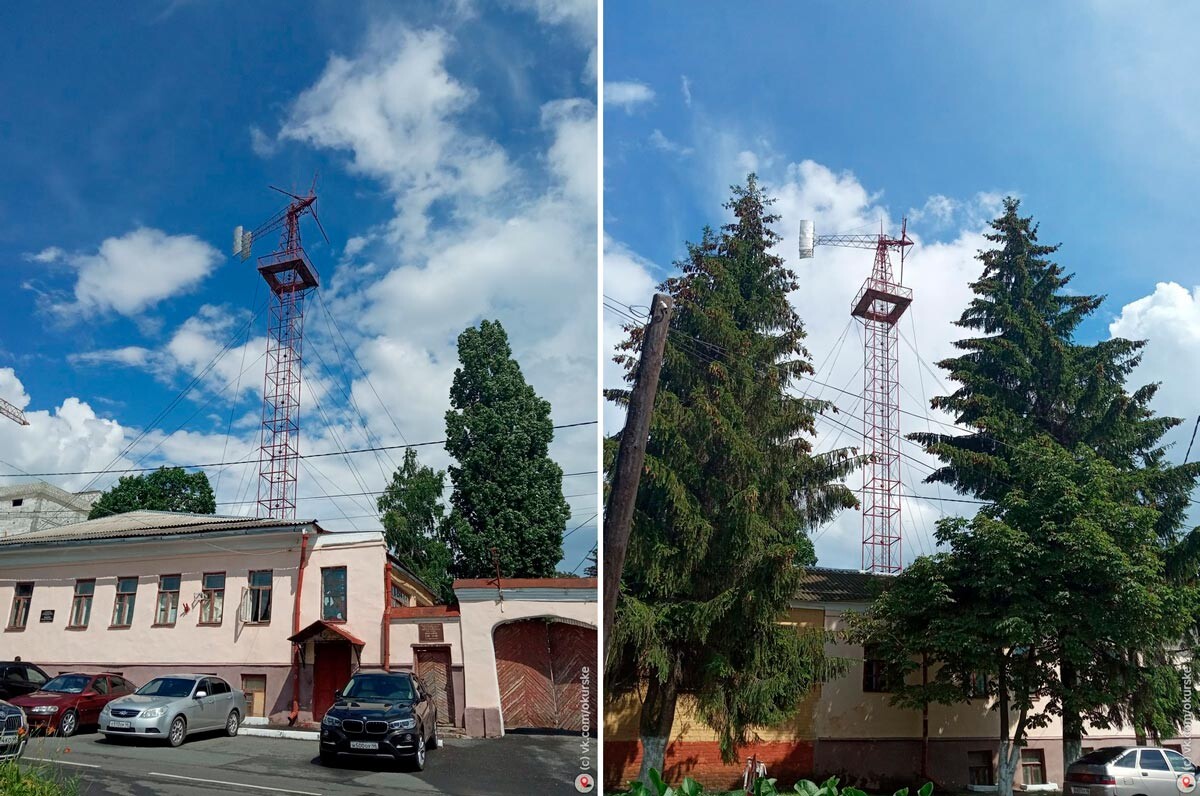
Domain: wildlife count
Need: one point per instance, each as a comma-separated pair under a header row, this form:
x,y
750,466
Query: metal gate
x,y
539,665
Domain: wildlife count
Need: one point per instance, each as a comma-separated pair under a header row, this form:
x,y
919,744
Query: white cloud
x,y
627,94
132,273
685,86
262,144
661,142
129,356
50,254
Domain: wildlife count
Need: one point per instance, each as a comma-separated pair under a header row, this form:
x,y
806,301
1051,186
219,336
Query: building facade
x,y
31,507
847,727
287,611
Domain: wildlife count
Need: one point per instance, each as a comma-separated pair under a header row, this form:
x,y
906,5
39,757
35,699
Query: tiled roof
x,y
146,523
839,585
527,583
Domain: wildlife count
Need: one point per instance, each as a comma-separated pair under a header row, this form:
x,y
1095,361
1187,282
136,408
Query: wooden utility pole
x,y
618,515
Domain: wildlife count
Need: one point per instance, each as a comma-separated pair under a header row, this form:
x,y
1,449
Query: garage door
x,y
539,665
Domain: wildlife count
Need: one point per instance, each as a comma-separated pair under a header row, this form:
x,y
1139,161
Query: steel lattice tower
x,y
879,305
290,276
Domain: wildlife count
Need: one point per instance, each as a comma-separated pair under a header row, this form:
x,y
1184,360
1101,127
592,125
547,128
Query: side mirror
x,y
201,694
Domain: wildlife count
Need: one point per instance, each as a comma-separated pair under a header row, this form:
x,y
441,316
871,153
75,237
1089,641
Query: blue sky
x,y
853,113
456,150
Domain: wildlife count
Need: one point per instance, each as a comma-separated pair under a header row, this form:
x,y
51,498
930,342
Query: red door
x,y
331,671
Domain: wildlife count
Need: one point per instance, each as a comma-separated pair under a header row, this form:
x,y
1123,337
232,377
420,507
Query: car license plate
x,y
1076,790
7,740
364,745
120,724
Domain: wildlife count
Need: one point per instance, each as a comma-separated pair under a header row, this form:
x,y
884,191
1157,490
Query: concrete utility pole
x,y
618,515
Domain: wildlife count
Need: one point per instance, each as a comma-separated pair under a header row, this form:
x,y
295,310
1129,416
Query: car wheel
x,y
232,723
178,731
68,725
418,760
328,758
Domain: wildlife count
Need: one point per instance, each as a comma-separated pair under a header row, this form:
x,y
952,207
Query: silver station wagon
x,y
1131,771
170,708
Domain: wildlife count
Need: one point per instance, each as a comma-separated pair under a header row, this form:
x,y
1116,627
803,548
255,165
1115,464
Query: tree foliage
x,y
507,489
412,514
165,489
731,488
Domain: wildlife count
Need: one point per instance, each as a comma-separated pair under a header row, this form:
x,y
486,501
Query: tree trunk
x,y
1004,778
1072,721
658,716
925,716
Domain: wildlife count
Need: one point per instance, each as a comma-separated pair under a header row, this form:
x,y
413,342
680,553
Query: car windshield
x,y
167,686
379,686
68,684
1102,756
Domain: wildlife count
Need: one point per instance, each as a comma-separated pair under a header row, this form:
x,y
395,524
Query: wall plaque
x,y
430,631
48,616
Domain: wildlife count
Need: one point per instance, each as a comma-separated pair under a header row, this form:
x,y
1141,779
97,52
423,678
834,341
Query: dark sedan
x,y
18,678
381,713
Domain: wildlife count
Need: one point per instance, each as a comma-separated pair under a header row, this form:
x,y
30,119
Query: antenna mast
x,y
290,276
879,304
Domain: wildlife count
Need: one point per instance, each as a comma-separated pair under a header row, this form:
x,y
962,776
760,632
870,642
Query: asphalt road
x,y
515,765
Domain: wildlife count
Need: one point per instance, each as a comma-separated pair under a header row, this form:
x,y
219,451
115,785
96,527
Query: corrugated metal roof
x,y
839,585
146,523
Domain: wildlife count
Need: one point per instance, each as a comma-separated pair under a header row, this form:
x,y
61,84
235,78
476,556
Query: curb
x,y
266,732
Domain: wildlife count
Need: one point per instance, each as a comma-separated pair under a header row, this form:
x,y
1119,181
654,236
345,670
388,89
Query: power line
x,y
302,456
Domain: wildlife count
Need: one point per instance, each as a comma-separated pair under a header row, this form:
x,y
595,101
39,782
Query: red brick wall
x,y
701,760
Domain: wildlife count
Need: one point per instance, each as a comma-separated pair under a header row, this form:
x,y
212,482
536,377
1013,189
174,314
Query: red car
x,y
72,700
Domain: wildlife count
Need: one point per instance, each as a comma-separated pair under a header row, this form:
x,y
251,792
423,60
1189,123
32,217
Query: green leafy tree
x,y
731,488
165,489
1023,375
412,513
507,490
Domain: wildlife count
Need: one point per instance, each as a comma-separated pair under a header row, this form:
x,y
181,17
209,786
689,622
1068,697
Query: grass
x,y
35,781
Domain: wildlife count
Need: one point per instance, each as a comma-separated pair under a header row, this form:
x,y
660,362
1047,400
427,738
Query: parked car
x,y
381,713
18,678
1128,771
14,731
174,707
71,701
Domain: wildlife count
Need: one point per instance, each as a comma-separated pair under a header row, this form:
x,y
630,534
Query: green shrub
x,y
764,787
15,781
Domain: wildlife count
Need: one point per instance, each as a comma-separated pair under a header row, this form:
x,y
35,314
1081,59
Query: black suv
x,y
18,678
381,713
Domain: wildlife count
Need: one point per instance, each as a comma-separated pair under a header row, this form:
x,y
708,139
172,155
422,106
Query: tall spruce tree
x,y
1023,375
730,489
507,490
412,514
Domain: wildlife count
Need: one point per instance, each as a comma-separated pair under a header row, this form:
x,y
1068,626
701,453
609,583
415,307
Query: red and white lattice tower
x,y
290,276
879,304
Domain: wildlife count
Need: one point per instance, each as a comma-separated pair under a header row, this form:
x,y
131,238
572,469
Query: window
x,y
878,675
19,616
81,604
977,686
1033,767
399,596
17,502
123,606
1180,763
218,686
333,594
212,599
979,768
120,685
1127,760
260,597
168,600
101,685
1153,760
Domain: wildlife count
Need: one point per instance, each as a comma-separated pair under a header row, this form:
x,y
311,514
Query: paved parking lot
x,y
516,764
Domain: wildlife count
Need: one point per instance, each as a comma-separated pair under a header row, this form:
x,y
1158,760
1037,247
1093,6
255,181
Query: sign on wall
x,y
430,631
48,616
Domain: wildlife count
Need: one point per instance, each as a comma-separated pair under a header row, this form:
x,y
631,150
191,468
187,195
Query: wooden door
x,y
331,671
433,667
572,649
527,698
255,688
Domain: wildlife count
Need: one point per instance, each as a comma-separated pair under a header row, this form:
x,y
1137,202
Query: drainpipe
x,y
387,609
296,629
